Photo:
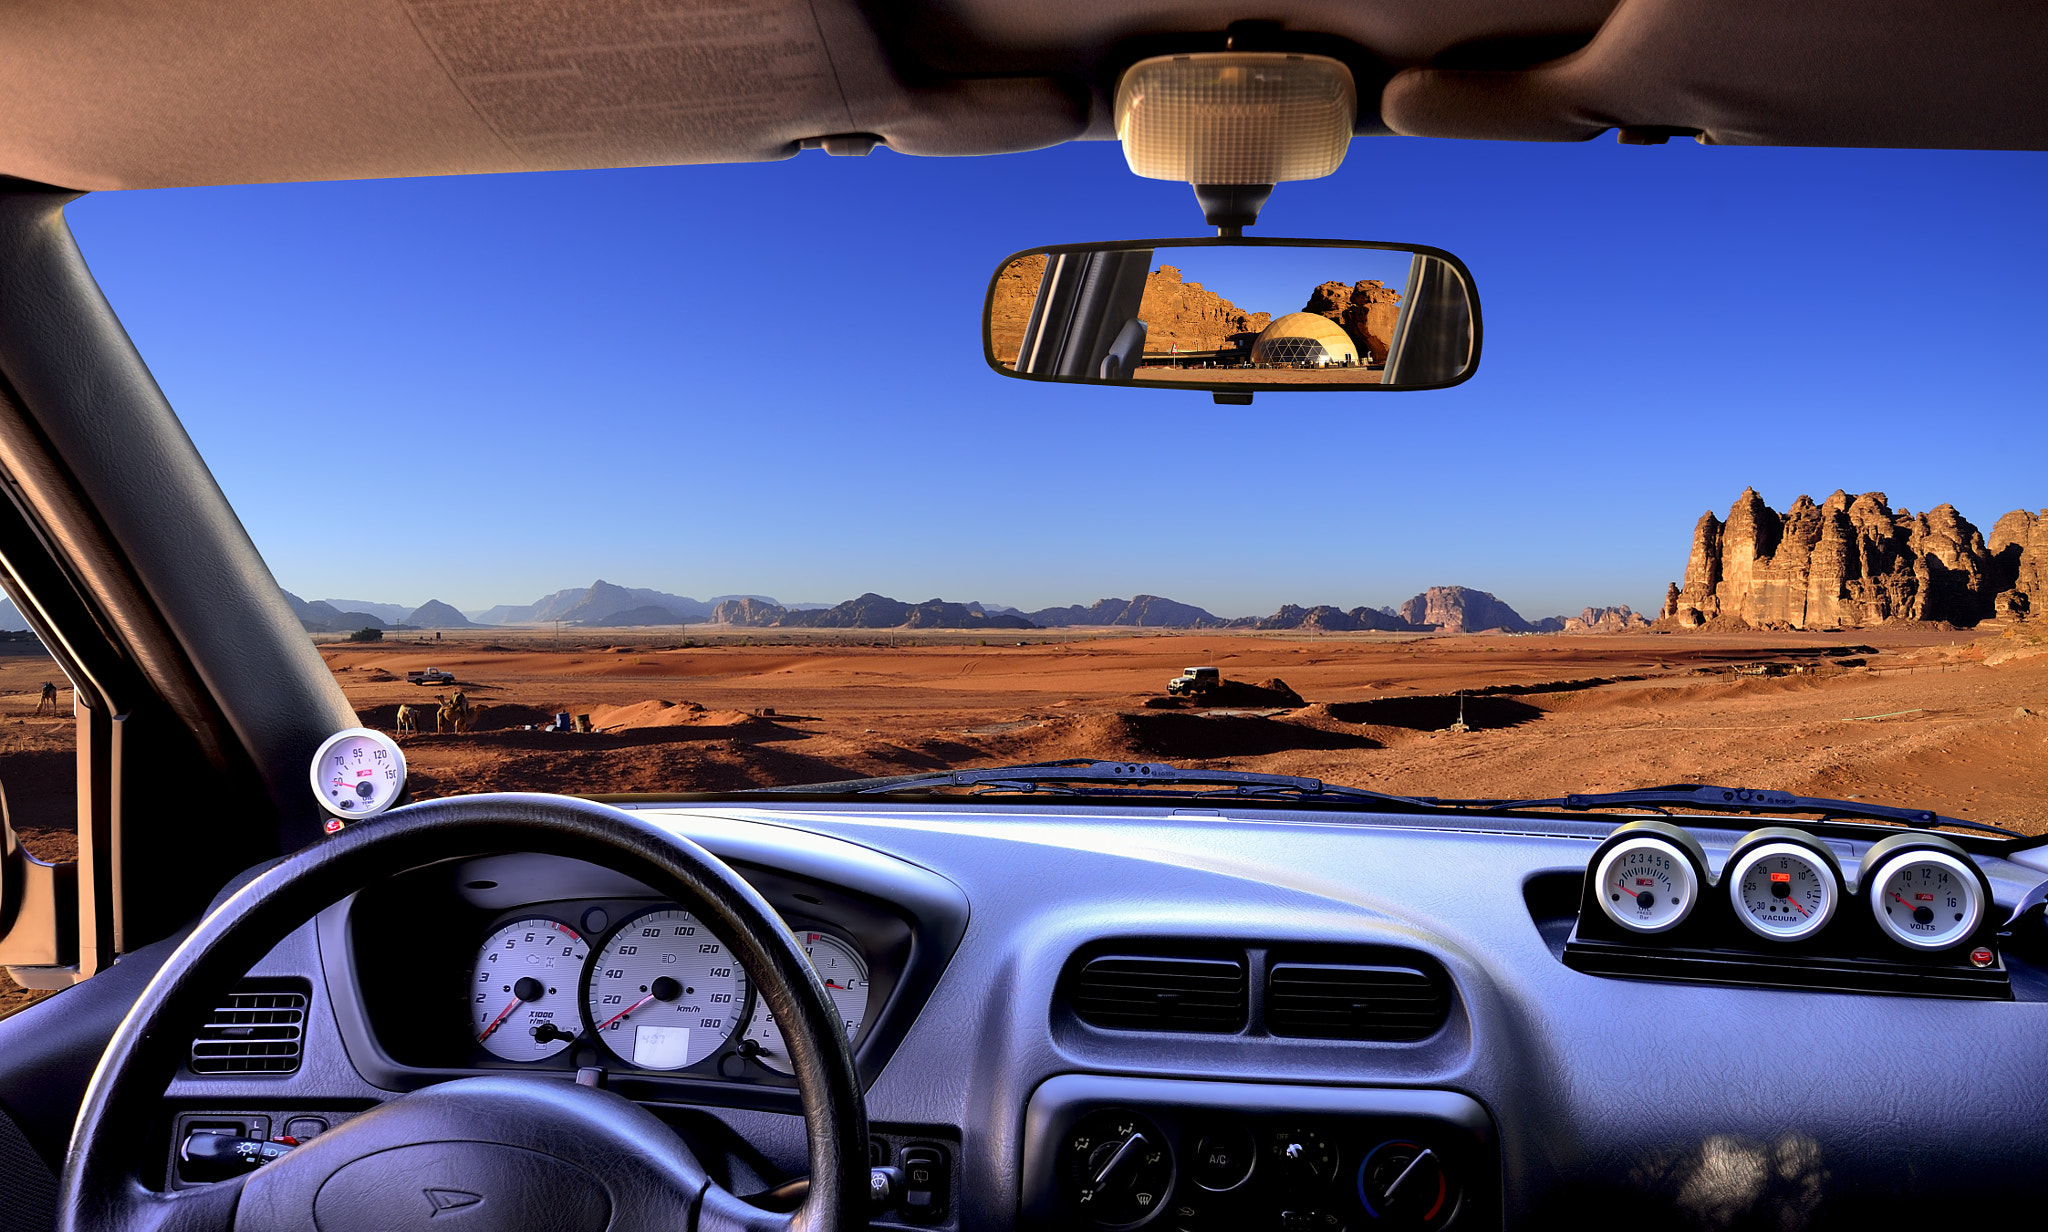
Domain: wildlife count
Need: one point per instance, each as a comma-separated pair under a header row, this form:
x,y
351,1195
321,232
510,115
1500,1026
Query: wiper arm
x,y
1739,800
1125,777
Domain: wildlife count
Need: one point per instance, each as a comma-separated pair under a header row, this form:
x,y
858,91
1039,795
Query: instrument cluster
x,y
653,989
529,961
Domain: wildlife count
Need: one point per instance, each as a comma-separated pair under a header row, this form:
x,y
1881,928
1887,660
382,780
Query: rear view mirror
x,y
1234,316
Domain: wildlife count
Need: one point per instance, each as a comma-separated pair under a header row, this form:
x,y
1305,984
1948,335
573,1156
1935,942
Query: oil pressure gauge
x,y
1783,884
1924,892
358,773
1647,877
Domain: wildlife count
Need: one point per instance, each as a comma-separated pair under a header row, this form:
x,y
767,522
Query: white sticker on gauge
x,y
661,1047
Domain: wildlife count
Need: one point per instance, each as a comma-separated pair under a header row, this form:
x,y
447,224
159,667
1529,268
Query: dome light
x,y
1235,117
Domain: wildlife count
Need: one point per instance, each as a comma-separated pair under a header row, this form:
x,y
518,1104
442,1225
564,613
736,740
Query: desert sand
x,y
1921,716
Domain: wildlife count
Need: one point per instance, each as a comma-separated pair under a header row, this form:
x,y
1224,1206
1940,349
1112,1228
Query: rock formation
x,y
1145,611
747,613
873,611
2019,552
434,614
1009,311
1604,620
1851,562
1186,315
1367,311
1327,619
1457,609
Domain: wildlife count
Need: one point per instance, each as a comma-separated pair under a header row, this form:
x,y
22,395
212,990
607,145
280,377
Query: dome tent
x,y
1304,338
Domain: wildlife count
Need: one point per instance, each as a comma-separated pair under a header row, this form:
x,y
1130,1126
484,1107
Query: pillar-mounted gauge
x,y
358,772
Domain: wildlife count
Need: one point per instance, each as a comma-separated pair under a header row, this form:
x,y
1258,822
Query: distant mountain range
x,y
1450,609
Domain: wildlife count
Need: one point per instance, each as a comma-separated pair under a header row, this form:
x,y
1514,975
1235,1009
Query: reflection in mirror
x,y
1230,316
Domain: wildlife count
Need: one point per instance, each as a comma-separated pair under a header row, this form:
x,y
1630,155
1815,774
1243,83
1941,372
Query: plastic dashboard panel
x,y
1684,1104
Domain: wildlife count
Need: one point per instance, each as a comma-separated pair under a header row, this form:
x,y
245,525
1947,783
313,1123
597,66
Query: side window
x,y
38,760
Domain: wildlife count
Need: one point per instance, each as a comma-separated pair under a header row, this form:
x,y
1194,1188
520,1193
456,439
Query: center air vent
x,y
257,1030
1326,1001
1162,994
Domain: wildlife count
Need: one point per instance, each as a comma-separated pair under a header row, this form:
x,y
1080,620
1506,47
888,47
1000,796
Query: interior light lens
x,y
1236,117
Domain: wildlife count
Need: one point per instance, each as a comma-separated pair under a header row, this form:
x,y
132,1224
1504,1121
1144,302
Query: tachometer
x,y
523,989
664,993
1645,884
845,974
1781,884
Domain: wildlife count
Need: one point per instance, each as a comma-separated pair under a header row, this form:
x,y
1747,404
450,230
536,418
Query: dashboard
x,y
1114,1017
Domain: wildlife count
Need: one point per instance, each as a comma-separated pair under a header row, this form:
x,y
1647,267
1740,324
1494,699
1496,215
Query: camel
x,y
455,712
49,698
408,721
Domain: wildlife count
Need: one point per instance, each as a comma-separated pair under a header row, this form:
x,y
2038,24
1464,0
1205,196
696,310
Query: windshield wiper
x,y
1737,800
1082,776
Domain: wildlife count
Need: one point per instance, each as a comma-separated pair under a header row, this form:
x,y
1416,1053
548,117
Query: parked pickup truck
x,y
1194,681
432,675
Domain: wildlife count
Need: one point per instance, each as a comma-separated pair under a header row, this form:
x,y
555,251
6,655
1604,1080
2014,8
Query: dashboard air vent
x,y
256,1030
1162,994
1326,1001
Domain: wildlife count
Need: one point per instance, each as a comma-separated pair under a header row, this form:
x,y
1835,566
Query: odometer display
x,y
664,993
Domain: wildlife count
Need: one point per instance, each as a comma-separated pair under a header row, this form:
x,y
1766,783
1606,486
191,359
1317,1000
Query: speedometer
x,y
845,975
664,993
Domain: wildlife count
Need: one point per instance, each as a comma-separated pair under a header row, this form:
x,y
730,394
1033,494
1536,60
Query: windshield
x,y
687,479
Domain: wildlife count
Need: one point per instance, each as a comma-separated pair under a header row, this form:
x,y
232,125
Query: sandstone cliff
x,y
1187,315
748,613
1605,620
1327,619
1458,609
1010,310
1367,311
1850,562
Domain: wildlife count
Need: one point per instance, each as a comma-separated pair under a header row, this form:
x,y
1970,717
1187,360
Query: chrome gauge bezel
x,y
1967,877
1683,876
381,741
1824,871
868,1008
743,1008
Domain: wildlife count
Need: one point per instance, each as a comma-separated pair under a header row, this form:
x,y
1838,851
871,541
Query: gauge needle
x,y
1795,903
499,1020
622,1013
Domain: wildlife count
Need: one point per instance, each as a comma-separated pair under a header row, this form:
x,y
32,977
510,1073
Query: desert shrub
x,y
367,634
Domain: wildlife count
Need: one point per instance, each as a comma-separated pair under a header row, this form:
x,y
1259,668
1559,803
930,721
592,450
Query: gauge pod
x,y
1647,876
1925,892
1784,884
358,772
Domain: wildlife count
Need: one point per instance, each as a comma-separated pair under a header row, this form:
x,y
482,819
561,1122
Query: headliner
x,y
107,94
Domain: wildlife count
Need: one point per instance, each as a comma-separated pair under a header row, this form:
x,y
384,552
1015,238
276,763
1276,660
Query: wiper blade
x,y
1082,776
1739,800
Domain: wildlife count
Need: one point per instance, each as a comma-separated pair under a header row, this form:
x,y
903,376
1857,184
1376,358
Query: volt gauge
x,y
358,773
1645,880
1925,898
1782,884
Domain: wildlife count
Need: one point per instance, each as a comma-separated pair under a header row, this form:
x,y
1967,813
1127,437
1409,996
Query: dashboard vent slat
x,y
1149,993
1328,1001
255,1030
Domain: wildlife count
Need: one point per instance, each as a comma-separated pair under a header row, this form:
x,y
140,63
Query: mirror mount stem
x,y
1230,208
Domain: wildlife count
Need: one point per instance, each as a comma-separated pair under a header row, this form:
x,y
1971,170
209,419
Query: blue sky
x,y
768,378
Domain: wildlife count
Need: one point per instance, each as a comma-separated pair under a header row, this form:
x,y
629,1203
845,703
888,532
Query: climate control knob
x,y
1118,1169
1404,1184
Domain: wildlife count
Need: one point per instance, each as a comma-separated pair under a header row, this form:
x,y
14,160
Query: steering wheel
x,y
493,1154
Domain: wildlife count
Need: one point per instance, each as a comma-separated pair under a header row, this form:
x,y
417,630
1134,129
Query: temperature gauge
x,y
358,773
1645,884
1928,900
1782,887
845,975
